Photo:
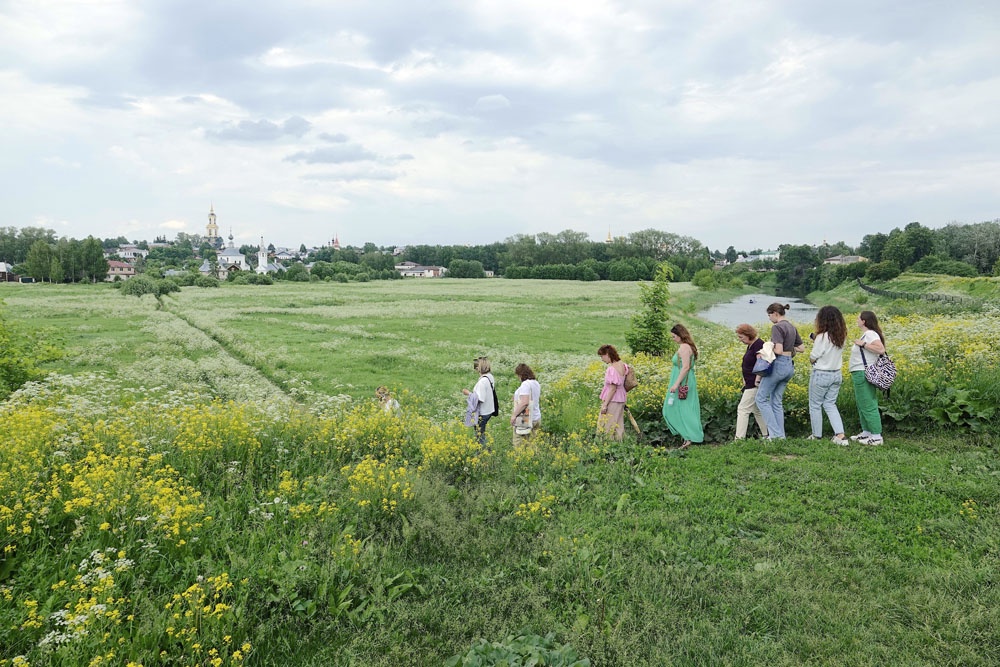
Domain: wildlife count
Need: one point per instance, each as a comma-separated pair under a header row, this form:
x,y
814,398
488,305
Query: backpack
x,y
496,403
630,381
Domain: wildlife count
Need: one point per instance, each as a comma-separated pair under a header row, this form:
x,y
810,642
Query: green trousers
x,y
866,396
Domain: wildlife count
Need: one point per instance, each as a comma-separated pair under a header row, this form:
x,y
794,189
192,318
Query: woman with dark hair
x,y
827,358
612,417
867,348
771,391
526,416
747,406
681,407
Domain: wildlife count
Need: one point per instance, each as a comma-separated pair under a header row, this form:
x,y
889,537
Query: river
x,y
752,309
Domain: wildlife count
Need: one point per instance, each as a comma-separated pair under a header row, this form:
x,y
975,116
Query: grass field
x,y
331,534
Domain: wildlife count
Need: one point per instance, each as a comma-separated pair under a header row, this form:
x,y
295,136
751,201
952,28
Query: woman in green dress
x,y
683,415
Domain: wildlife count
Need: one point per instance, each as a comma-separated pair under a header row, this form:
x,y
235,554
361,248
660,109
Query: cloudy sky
x,y
746,122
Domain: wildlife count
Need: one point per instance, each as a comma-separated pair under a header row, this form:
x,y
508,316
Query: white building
x,y
264,264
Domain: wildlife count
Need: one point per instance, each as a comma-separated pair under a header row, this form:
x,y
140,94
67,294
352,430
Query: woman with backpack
x,y
612,417
485,397
681,407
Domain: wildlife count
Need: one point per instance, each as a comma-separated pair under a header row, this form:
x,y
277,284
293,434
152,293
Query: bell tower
x,y
212,229
262,257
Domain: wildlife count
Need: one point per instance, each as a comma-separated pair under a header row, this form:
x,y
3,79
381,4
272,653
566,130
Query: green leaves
x,y
521,650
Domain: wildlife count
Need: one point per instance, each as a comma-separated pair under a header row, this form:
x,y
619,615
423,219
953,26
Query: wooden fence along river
x,y
964,301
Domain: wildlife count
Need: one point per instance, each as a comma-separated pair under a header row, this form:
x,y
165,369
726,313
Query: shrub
x,y
705,279
882,271
167,286
206,281
140,285
21,357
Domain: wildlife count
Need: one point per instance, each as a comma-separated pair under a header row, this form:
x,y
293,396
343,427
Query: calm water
x,y
741,310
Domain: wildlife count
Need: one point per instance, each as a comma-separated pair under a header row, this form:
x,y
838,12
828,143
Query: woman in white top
x,y
486,394
526,415
871,344
827,358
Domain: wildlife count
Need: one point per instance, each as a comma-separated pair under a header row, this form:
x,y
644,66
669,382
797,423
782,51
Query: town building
x,y
119,271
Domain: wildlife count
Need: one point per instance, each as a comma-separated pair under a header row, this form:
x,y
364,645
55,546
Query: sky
x,y
749,123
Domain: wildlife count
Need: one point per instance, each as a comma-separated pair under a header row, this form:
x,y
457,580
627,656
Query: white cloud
x,y
712,119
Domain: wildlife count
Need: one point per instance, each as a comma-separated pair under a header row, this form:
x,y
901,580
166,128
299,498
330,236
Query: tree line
x,y
957,249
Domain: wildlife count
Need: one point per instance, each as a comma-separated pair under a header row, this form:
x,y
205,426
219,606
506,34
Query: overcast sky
x,y
748,123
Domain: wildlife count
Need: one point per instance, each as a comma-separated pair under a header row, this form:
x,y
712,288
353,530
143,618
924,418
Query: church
x,y
229,259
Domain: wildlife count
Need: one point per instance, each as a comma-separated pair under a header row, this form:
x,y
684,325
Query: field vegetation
x,y
204,479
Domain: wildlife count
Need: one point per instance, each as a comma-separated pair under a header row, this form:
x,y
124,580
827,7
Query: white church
x,y
229,259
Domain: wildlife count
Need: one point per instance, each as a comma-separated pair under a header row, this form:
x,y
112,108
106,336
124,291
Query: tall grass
x,y
149,519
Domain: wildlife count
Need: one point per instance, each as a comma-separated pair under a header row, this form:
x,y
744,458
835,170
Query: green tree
x,y
56,274
731,255
872,246
94,265
798,269
649,326
38,263
465,268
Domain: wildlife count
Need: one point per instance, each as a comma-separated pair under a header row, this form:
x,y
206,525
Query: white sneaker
x,y
843,442
864,435
872,440
813,437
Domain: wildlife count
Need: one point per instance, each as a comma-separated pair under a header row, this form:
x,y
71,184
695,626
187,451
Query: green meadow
x,y
222,449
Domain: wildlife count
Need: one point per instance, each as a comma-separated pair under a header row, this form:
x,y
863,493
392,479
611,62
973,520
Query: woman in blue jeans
x,y
787,342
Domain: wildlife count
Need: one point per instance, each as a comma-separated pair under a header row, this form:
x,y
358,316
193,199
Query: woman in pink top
x,y
612,417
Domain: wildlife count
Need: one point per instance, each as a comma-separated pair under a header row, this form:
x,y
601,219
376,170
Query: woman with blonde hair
x,y
612,417
681,407
747,406
485,397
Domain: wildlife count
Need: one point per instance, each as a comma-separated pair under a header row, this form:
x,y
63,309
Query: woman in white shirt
x,y
526,416
827,357
871,344
486,394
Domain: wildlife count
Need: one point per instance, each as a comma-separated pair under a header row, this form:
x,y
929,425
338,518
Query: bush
x,y
21,356
167,286
944,265
882,271
206,281
140,285
705,279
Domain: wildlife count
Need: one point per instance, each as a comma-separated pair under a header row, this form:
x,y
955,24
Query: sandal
x,y
685,444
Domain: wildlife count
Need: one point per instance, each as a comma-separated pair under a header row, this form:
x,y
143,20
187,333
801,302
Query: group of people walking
x,y
482,403
763,394
763,390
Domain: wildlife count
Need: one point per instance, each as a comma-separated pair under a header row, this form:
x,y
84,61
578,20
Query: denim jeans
x,y
770,394
823,389
481,428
